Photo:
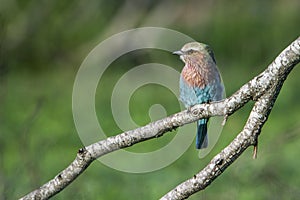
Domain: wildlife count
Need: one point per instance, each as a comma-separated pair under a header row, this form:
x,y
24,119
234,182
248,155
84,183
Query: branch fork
x,y
263,89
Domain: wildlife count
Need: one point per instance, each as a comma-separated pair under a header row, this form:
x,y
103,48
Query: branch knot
x,y
197,111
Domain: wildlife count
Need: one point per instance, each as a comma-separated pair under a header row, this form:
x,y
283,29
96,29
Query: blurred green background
x,y
42,45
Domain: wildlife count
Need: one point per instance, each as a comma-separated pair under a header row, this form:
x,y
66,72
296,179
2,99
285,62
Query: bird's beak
x,y
178,52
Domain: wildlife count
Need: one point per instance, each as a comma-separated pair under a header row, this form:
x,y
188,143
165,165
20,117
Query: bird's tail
x,y
201,138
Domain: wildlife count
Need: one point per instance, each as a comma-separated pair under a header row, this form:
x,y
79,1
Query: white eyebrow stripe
x,y
190,48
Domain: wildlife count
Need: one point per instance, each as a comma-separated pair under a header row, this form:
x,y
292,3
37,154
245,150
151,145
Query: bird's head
x,y
193,50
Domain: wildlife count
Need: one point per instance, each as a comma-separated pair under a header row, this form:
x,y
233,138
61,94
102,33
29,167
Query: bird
x,y
200,82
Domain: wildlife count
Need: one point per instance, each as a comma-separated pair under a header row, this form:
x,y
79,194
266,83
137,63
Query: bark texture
x,y
263,89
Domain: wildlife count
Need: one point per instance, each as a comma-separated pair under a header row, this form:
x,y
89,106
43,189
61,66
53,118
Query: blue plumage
x,y
200,82
201,137
194,95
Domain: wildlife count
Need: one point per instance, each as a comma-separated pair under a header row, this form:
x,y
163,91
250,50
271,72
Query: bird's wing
x,y
187,94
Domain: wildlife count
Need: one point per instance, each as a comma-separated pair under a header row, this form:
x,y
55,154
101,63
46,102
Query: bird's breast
x,y
193,77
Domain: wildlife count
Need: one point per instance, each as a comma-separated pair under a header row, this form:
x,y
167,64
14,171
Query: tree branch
x,y
263,89
278,72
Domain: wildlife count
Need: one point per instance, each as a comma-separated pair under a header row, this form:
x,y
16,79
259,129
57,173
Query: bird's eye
x,y
190,51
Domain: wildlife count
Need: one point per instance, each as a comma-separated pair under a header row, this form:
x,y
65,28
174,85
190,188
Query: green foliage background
x,y
42,44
